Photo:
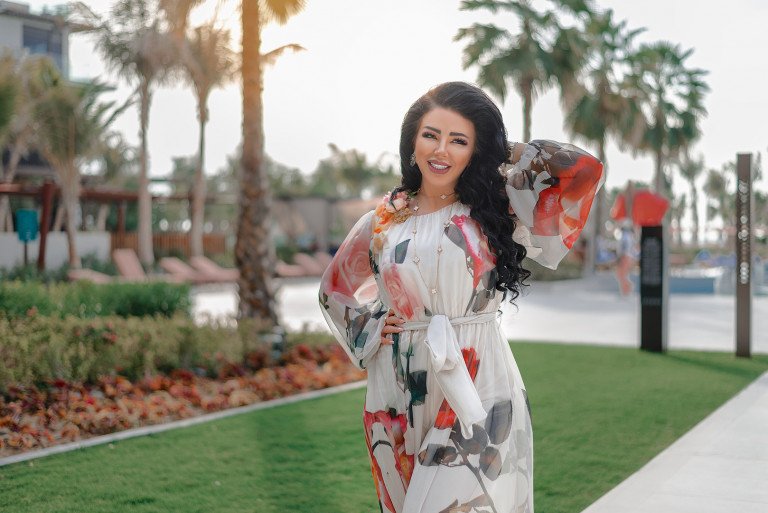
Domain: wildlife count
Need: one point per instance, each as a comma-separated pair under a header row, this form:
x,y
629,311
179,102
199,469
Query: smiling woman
x,y
443,150
446,417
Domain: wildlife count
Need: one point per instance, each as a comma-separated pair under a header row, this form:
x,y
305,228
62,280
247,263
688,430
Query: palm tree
x,y
673,99
9,99
691,169
32,75
254,255
597,106
71,125
716,188
541,54
9,91
136,41
677,211
207,62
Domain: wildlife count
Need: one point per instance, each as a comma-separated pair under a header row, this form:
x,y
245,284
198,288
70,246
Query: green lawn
x,y
598,414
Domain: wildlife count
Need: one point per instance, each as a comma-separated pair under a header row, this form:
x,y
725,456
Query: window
x,y
44,41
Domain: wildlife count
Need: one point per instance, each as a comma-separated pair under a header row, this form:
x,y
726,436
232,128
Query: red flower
x,y
446,417
394,427
350,267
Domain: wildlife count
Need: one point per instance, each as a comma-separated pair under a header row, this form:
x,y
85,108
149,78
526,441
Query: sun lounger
x,y
178,268
310,265
130,269
128,265
323,258
289,270
88,275
213,271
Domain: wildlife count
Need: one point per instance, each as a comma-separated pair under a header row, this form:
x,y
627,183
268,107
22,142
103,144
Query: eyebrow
x,y
451,134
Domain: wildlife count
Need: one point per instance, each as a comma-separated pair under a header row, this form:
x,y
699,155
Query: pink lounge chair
x,y
183,272
323,258
212,271
88,275
128,265
310,265
130,269
289,270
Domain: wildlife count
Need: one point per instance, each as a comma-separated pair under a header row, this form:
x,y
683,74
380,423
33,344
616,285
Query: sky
x,y
366,62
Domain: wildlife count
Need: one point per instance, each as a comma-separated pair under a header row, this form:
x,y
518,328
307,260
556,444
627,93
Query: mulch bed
x,y
56,412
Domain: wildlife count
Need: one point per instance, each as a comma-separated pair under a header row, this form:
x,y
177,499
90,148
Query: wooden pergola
x,y
49,191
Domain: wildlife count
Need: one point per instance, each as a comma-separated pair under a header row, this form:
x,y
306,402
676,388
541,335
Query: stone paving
x,y
579,311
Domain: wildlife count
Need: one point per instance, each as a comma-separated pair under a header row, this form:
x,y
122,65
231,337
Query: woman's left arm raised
x,y
551,187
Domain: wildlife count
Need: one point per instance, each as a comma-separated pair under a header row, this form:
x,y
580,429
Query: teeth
x,y
438,166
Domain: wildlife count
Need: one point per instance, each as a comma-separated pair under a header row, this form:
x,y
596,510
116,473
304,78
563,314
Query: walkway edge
x,y
177,424
636,488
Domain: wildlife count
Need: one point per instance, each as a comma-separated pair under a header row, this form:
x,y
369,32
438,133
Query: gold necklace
x,y
416,260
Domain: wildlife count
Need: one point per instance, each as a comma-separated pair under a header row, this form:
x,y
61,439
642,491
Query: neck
x,y
429,200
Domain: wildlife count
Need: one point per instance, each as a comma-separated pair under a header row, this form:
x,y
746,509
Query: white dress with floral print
x,y
446,415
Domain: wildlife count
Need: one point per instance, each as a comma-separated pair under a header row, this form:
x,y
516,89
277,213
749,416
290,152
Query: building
x,y
45,33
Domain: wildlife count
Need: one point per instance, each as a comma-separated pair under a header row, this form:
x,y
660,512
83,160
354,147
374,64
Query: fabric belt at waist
x,y
454,321
447,363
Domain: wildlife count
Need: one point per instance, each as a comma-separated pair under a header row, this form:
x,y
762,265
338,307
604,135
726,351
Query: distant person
x,y
626,256
413,295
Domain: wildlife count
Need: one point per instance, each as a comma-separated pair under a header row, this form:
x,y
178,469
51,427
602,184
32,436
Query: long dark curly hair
x,y
481,185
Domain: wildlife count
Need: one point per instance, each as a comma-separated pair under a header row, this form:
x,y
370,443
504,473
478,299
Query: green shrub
x,y
29,272
38,348
85,299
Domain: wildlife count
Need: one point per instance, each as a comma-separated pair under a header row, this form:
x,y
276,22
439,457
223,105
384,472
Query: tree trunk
x,y
253,251
695,214
658,177
595,223
527,109
146,252
58,219
6,220
101,217
199,192
70,197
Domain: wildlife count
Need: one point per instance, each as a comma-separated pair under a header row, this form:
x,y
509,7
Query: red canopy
x,y
648,208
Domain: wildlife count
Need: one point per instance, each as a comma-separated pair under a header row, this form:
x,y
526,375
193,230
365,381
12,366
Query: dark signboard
x,y
743,253
653,290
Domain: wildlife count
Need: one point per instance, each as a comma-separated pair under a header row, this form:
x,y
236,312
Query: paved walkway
x,y
577,311
720,466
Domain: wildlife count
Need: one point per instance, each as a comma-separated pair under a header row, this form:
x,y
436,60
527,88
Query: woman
x,y
626,256
413,294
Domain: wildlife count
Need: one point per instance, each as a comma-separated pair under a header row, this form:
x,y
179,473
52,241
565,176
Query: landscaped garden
x,y
599,414
81,359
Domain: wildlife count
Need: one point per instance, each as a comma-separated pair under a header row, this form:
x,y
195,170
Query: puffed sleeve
x,y
551,189
349,296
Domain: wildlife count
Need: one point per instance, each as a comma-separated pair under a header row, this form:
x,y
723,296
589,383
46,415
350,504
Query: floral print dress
x,y
446,417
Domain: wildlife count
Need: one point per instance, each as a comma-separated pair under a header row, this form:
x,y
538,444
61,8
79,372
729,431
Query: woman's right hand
x,y
391,326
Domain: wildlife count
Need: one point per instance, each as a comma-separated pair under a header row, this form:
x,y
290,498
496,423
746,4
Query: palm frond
x,y
270,58
280,10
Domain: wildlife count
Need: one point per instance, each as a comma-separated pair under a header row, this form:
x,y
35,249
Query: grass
x,y
599,414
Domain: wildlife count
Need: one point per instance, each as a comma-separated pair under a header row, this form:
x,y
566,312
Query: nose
x,y
441,148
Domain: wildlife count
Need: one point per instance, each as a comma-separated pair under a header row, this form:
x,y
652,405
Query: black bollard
x,y
654,295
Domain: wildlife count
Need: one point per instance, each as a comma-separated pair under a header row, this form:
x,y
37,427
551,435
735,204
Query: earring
x,y
413,159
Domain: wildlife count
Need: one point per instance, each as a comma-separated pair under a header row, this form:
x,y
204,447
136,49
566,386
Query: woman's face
x,y
444,145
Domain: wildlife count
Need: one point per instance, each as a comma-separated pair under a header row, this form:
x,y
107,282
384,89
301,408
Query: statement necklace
x,y
416,260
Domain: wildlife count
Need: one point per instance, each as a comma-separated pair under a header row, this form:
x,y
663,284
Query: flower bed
x,y
60,411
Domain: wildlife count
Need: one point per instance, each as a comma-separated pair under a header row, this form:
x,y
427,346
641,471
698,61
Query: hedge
x,y
88,300
38,348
